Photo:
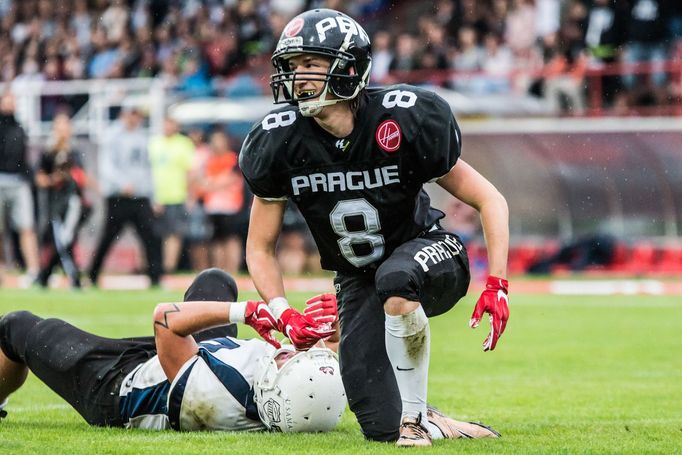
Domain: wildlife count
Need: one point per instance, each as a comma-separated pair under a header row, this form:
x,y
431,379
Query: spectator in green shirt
x,y
171,157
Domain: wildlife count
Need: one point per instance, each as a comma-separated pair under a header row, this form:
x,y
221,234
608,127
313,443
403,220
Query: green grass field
x,y
571,375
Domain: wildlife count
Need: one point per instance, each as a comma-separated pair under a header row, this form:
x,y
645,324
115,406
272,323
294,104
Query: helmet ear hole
x,y
343,80
344,86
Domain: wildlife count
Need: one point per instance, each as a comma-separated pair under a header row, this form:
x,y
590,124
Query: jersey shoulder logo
x,y
389,136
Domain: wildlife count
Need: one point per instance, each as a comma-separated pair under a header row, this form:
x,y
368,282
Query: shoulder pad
x,y
271,133
413,107
263,149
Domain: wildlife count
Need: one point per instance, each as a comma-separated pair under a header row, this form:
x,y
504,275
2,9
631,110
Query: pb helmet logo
x,y
345,24
294,27
389,136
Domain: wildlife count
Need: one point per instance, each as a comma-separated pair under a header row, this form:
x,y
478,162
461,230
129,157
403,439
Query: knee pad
x,y
394,281
213,284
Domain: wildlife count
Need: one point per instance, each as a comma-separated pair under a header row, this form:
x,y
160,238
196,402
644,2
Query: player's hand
x,y
259,316
322,309
302,331
495,302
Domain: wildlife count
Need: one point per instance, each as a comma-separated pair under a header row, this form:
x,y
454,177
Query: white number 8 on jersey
x,y
372,224
400,98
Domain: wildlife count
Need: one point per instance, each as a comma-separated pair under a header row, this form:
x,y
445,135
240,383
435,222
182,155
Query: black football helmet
x,y
330,34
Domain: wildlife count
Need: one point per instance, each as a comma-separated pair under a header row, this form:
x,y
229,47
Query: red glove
x,y
302,331
259,316
493,301
322,309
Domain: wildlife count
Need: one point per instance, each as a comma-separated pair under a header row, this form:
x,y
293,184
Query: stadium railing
x,y
92,104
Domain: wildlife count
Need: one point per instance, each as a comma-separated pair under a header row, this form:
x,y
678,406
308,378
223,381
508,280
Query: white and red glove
x,y
256,314
303,331
322,309
495,302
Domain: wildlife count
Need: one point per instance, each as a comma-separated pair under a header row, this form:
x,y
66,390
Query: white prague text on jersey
x,y
332,182
438,251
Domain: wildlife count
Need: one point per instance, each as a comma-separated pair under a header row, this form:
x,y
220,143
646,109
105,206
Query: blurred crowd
x,y
544,48
189,44
180,193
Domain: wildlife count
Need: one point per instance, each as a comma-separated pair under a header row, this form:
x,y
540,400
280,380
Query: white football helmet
x,y
304,395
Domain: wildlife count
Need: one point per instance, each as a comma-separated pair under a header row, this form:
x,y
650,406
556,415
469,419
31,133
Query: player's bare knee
x,y
407,325
396,306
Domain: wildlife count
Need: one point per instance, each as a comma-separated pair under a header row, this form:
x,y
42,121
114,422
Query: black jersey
x,y
361,195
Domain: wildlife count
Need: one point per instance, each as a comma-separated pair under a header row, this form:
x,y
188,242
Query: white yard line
x,y
607,287
38,408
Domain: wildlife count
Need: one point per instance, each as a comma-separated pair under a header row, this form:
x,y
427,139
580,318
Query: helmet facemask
x,y
341,83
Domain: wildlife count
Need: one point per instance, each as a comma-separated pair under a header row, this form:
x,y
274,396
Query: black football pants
x,y
138,212
432,269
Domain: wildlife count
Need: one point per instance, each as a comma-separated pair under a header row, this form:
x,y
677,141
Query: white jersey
x,y
212,391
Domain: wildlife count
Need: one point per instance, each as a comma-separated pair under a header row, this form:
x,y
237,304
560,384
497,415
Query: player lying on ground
x,y
205,381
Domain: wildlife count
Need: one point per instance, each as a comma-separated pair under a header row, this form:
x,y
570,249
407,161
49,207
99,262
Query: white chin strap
x,y
313,108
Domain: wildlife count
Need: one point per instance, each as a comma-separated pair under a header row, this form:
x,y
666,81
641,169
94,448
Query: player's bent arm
x,y
264,228
173,325
469,186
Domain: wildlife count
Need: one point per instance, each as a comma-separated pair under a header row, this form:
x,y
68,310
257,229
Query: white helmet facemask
x,y
304,395
314,107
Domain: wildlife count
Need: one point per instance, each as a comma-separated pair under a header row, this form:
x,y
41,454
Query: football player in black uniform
x,y
354,160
